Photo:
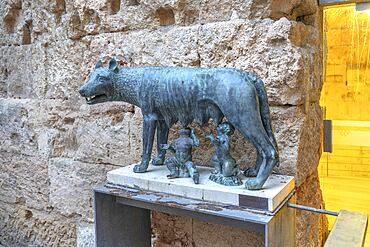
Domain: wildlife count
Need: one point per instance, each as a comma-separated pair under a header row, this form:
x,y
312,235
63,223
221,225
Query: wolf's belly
x,y
200,112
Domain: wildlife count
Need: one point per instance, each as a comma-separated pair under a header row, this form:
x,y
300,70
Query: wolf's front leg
x,y
162,137
148,137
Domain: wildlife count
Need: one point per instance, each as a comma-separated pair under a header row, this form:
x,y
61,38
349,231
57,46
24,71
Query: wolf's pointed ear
x,y
113,65
98,64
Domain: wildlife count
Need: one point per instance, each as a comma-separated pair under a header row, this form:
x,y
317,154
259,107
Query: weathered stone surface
x,y
180,231
71,184
206,234
29,21
311,227
262,47
54,128
169,230
24,180
300,10
309,151
17,131
167,47
85,235
107,139
22,71
21,226
64,70
15,20
35,132
299,136
40,20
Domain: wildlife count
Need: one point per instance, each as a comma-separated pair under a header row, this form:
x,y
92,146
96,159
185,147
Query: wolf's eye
x,y
102,79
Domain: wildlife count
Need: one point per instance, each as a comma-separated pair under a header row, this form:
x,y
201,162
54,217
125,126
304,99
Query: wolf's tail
x,y
264,107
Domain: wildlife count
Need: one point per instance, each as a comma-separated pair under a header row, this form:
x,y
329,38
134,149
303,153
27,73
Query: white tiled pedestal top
x,y
274,192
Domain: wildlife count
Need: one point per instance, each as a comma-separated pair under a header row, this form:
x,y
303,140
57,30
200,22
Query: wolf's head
x,y
100,86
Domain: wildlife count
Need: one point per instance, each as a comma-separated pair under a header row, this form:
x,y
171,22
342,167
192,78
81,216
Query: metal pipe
x,y
320,211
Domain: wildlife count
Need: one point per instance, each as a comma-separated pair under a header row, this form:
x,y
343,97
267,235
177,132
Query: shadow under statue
x,y
167,95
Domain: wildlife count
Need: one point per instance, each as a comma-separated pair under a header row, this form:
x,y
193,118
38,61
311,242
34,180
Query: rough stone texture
x,y
311,227
180,231
54,148
74,180
85,235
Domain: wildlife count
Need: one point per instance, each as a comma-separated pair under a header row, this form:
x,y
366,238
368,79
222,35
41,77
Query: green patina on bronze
x,y
167,95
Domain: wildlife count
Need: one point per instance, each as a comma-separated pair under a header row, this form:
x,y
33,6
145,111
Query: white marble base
x,y
274,192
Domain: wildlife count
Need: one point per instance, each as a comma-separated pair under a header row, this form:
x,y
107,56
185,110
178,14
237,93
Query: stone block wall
x,y
54,148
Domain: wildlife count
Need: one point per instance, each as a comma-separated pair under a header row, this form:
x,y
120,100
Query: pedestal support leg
x,y
280,231
119,225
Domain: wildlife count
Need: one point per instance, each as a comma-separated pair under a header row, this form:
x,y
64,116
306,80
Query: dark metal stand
x,y
122,217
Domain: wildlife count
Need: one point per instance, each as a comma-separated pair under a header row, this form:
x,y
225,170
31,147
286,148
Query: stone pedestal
x,y
274,192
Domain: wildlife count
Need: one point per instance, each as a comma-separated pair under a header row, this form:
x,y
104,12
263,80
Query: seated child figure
x,y
181,165
222,160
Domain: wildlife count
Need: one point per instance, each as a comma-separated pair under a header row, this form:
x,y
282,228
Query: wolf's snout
x,y
82,92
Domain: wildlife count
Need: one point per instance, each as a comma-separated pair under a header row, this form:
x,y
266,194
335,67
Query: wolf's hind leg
x,y
256,134
253,171
270,159
148,136
162,137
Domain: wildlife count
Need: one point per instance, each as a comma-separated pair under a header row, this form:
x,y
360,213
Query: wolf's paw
x,y
140,168
158,161
252,184
250,172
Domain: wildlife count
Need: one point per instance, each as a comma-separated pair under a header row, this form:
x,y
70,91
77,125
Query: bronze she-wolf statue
x,y
167,95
